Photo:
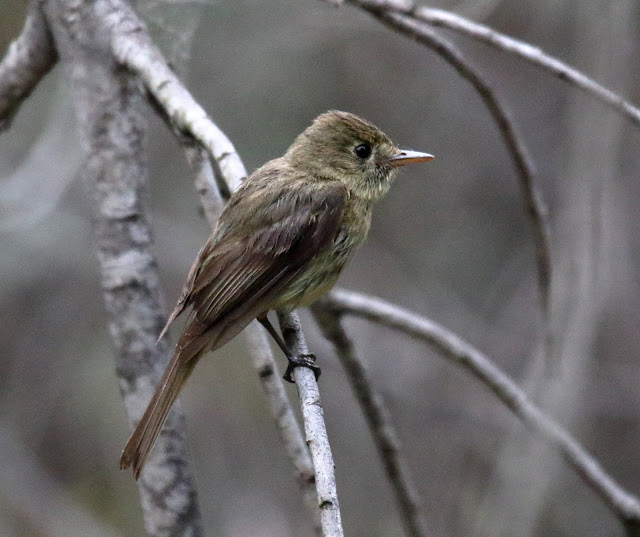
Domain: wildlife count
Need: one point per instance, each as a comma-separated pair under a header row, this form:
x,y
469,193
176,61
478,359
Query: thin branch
x,y
205,182
534,55
314,428
534,206
133,48
28,59
378,420
286,423
624,504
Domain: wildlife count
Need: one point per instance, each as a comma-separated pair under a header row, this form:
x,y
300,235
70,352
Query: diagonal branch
x,y
378,420
534,206
286,423
28,59
134,49
451,21
625,505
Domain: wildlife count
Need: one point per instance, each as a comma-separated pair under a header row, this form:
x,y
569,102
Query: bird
x,y
281,242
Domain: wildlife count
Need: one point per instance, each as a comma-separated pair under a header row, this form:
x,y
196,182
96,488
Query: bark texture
x,y
28,59
108,106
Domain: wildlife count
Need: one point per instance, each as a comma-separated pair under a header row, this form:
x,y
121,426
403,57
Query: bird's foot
x,y
302,360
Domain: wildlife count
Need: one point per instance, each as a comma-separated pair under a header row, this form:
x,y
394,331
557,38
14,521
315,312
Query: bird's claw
x,y
302,360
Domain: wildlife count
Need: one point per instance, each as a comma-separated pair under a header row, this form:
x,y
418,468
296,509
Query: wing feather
x,y
245,266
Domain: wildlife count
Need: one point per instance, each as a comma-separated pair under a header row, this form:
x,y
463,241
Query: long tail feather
x,y
139,445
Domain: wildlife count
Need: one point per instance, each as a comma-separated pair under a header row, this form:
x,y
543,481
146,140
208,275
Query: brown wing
x,y
261,244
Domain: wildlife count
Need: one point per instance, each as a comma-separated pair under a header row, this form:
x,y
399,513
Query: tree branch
x,y
28,59
109,110
134,49
314,428
378,420
534,206
286,423
451,21
624,504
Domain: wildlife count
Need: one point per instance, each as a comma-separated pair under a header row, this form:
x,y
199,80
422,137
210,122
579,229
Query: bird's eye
x,y
363,150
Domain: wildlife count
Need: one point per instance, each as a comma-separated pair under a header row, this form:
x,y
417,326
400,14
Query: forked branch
x,y
379,421
28,59
451,21
625,505
534,205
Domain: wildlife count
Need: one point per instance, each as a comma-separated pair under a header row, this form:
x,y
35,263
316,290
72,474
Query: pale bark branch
x,y
535,55
286,423
379,421
109,110
624,505
133,48
534,206
28,59
314,428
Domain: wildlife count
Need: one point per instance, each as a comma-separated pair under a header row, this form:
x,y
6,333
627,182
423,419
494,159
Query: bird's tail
x,y
139,445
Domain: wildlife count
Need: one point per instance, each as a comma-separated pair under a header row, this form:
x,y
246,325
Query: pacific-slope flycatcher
x,y
281,242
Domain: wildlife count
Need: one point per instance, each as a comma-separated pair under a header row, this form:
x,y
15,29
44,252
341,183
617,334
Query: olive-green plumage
x,y
281,242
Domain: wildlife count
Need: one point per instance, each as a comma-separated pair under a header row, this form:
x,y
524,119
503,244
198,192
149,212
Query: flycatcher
x,y
282,241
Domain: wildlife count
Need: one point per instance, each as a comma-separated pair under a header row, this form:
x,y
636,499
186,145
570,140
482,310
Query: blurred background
x,y
451,241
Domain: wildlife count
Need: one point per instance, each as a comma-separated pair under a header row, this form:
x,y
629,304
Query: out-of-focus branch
x,y
28,59
109,109
133,48
535,55
378,420
534,206
624,504
314,428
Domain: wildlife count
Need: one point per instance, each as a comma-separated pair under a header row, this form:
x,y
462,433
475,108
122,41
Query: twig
x,y
534,206
378,420
282,411
314,428
260,349
28,59
535,55
115,174
134,49
624,504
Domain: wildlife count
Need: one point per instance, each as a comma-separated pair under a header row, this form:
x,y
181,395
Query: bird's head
x,y
339,146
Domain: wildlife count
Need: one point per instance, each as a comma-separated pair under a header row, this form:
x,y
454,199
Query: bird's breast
x,y
322,272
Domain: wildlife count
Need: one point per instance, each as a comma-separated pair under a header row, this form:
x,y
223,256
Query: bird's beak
x,y
409,157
